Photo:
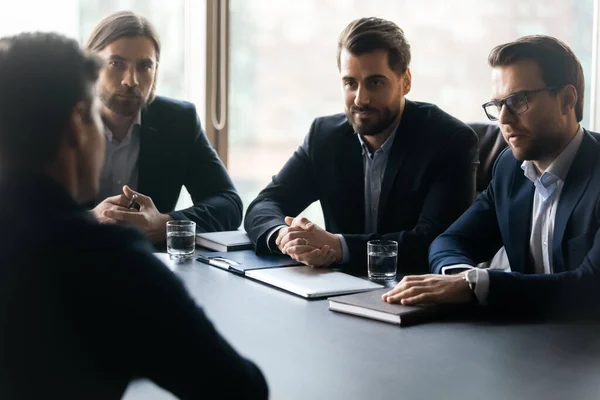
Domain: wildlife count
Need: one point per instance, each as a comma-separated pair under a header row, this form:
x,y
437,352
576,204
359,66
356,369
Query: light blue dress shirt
x,y
121,162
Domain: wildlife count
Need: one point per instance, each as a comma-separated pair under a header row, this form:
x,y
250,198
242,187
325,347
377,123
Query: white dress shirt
x,y
548,188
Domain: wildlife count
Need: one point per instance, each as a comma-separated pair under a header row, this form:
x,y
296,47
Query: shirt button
x,y
546,244
119,182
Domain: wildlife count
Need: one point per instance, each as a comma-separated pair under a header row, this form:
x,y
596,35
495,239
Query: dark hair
x,y
556,60
123,24
42,78
368,34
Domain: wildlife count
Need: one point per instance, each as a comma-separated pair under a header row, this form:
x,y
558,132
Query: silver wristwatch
x,y
471,278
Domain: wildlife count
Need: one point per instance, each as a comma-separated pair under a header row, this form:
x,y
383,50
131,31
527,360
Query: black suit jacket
x,y
175,152
502,214
429,181
85,308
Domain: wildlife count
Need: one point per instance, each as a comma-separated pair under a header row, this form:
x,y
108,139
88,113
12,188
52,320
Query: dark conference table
x,y
308,352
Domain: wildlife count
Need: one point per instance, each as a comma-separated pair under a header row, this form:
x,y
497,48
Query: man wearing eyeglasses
x,y
542,204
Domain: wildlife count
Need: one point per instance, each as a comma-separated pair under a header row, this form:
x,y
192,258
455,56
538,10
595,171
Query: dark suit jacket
x,y
429,181
85,308
175,152
502,214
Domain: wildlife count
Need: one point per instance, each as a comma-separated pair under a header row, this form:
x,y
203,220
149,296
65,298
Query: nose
x,y
361,98
505,117
130,78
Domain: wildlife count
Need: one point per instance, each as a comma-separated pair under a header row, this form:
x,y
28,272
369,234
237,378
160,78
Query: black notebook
x,y
224,241
245,260
370,305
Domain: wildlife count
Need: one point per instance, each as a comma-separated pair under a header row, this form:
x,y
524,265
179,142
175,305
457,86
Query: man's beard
x,y
379,121
539,149
127,106
545,141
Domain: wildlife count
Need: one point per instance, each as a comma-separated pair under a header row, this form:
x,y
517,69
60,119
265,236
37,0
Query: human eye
x,y
376,83
517,100
350,83
145,66
118,64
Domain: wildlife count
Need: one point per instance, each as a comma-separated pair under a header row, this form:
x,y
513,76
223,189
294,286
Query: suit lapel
x,y
397,154
150,149
521,207
349,168
575,184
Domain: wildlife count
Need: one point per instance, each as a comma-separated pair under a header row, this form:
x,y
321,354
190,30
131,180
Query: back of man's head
x,y
43,76
557,62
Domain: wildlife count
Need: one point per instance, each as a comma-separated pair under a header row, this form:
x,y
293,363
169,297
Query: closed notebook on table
x,y
312,283
240,262
224,241
370,305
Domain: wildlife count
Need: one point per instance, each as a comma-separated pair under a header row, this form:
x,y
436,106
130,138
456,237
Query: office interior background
x,y
259,71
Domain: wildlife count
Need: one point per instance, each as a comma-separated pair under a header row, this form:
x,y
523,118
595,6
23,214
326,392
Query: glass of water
x,y
181,239
382,259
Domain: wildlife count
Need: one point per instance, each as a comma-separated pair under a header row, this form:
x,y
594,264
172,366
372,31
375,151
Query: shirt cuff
x,y
455,269
345,252
270,234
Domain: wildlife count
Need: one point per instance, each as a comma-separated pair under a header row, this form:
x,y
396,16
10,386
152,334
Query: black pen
x,y
132,201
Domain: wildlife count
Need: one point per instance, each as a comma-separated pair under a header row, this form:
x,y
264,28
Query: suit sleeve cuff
x,y
271,241
178,215
345,251
482,287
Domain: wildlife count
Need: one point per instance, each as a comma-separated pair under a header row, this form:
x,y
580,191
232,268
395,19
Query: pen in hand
x,y
132,201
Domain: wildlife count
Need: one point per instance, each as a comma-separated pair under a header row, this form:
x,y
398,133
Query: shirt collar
x,y
559,168
137,121
385,147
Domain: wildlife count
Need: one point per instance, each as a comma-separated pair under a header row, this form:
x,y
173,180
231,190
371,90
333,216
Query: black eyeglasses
x,y
516,103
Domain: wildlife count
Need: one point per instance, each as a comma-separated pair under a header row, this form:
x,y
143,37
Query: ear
x,y
406,81
568,99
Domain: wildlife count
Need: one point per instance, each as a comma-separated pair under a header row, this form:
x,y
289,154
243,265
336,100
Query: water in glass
x,y
181,243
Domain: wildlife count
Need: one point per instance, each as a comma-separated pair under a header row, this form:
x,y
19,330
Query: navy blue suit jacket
x,y
175,152
429,181
502,214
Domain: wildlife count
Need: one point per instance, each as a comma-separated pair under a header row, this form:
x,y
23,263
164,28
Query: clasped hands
x,y
308,243
147,218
